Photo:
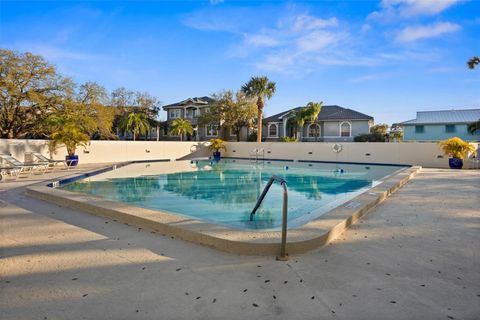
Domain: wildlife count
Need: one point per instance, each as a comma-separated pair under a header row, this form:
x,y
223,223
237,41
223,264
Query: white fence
x,y
423,154
108,151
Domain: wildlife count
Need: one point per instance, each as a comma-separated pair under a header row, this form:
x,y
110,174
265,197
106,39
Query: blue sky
x,y
386,58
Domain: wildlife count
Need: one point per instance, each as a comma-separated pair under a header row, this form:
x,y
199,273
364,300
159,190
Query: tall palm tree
x,y
135,122
474,127
181,127
260,88
473,62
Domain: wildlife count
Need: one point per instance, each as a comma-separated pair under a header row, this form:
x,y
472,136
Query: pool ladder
x,y
283,246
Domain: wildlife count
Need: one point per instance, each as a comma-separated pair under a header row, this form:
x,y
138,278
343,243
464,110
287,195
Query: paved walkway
x,y
416,256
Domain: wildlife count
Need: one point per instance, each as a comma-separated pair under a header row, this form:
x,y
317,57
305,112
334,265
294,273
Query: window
x,y
212,130
273,130
175,113
345,129
191,113
419,129
232,132
449,128
313,130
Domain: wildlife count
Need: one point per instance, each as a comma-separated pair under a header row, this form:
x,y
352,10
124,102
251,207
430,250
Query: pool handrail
x,y
283,246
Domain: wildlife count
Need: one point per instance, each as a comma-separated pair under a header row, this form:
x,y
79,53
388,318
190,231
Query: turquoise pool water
x,y
226,192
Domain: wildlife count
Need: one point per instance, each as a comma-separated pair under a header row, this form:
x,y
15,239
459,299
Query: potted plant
x,y
216,145
71,135
457,150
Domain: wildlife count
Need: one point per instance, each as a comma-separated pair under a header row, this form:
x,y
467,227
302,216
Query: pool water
x,y
226,192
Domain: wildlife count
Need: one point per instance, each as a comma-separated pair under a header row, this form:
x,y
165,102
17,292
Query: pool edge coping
x,y
312,235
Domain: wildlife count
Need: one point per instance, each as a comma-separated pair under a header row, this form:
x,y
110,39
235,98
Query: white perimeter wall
x,y
412,153
423,154
109,151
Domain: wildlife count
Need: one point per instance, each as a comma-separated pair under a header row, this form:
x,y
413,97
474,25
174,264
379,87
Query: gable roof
x,y
197,101
445,116
331,112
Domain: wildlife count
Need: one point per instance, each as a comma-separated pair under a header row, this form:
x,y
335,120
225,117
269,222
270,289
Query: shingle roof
x,y
191,101
445,116
332,112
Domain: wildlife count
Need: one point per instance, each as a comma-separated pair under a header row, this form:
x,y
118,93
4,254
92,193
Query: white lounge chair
x,y
51,165
17,169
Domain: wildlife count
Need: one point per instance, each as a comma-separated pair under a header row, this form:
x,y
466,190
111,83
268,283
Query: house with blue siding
x,y
441,125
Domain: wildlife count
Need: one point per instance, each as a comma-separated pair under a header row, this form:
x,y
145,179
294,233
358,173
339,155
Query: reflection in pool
x,y
225,192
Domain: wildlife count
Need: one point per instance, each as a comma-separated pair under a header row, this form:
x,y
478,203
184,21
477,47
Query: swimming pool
x,y
226,192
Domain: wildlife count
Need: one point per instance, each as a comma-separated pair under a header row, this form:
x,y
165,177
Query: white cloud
x,y
410,34
261,40
318,40
307,22
298,42
295,44
393,9
366,27
425,7
281,62
368,77
54,53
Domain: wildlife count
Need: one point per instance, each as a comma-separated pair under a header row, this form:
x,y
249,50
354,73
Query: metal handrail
x,y
283,247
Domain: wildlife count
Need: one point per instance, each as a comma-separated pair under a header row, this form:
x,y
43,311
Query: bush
x,y
253,137
289,139
369,137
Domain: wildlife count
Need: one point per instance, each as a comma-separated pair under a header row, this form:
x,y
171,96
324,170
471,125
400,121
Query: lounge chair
x,y
37,157
15,168
9,172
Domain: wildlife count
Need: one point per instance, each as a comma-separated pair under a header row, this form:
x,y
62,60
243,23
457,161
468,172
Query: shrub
x,y
253,137
369,137
289,139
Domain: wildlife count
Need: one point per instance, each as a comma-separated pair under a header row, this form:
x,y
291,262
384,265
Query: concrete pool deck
x,y
415,256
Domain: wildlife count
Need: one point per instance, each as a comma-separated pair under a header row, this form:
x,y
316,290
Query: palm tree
x,y
473,62
181,127
298,118
260,88
135,122
308,113
312,111
474,127
67,132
